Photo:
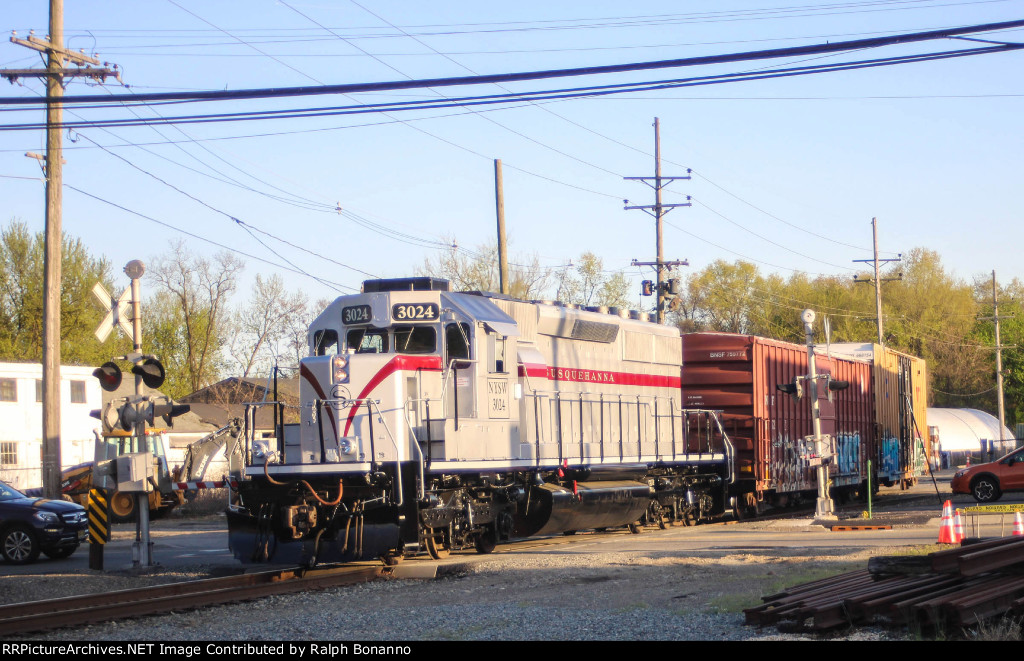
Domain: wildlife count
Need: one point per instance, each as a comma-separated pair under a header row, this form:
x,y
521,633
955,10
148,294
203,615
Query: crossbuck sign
x,y
117,311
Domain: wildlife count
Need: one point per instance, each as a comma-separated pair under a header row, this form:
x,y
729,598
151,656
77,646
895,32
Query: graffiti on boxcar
x,y
792,469
889,459
847,459
791,464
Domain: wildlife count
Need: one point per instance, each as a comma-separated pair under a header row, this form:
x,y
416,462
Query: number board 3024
x,y
356,314
415,312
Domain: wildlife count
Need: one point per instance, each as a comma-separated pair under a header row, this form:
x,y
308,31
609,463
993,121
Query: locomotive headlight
x,y
346,445
339,369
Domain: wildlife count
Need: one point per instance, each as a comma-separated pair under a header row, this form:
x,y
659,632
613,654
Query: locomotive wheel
x,y
744,511
392,558
439,543
689,517
636,528
485,541
656,515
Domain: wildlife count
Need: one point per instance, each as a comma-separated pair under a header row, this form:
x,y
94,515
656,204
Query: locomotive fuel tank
x,y
553,509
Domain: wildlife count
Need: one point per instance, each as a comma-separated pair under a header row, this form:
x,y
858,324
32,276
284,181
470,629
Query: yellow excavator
x,y
76,481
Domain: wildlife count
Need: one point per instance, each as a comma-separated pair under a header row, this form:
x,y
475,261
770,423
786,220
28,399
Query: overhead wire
x,y
527,97
199,237
649,20
975,51
419,129
857,44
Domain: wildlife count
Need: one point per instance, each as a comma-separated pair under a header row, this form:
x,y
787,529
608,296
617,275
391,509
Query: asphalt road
x,y
914,516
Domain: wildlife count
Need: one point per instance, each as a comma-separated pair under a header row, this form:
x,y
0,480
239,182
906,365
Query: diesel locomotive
x,y
432,420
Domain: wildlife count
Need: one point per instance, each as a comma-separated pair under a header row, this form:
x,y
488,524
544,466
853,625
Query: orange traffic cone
x,y
947,533
1018,525
959,527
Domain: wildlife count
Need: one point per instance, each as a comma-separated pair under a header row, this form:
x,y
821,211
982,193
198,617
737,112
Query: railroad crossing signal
x,y
147,367
130,415
109,375
117,311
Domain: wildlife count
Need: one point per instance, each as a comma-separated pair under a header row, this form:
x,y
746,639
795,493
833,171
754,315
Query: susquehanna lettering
x,y
564,374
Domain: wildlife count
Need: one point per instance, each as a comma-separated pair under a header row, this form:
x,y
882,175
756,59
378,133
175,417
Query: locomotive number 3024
x,y
415,312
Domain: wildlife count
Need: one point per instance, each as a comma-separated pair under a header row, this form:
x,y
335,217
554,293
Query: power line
x,y
648,20
796,51
333,285
561,94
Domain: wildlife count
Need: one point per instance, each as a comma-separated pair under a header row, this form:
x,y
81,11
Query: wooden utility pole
x,y
999,357
877,280
499,196
54,75
658,211
52,256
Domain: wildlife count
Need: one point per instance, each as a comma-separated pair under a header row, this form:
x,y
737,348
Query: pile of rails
x,y
942,592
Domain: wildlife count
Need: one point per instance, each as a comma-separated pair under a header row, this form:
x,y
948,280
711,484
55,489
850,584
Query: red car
x,y
988,482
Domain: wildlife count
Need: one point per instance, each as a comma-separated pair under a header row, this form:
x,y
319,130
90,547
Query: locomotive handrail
x,y
729,448
372,405
651,404
398,459
416,441
248,433
448,371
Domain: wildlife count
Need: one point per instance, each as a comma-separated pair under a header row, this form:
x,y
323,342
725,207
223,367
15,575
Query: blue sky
x,y
788,172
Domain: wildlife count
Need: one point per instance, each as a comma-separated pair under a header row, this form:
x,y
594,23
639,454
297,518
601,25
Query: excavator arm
x,y
200,454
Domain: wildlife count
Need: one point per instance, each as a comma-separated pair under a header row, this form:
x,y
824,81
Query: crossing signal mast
x,y
823,444
132,413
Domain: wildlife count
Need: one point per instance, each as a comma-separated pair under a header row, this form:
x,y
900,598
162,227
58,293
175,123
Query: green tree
x,y
21,299
585,283
163,335
723,297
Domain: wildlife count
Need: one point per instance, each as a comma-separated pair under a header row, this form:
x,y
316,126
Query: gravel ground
x,y
515,596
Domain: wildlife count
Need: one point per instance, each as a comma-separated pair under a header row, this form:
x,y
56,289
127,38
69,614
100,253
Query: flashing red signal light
x,y
109,375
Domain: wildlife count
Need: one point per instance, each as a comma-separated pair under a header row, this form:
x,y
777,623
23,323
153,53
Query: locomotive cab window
x,y
456,342
367,340
325,342
496,354
415,339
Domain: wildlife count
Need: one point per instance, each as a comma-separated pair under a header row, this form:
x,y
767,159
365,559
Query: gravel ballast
x,y
514,596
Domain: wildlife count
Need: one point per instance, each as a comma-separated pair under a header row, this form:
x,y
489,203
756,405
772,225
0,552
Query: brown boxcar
x,y
738,374
900,403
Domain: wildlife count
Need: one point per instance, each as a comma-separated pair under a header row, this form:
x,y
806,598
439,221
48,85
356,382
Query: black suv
x,y
30,525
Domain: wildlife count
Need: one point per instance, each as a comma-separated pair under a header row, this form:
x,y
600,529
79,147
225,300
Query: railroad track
x,y
102,607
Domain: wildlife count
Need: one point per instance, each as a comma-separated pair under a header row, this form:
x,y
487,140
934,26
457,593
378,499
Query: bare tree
x,y
261,330
200,289
477,270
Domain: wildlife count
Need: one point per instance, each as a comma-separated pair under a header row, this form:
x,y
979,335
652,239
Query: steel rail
x,y
121,604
